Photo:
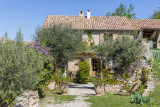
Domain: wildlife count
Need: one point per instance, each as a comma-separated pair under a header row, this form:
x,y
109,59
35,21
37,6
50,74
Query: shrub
x,y
139,99
84,72
109,78
97,80
47,74
63,80
126,51
19,69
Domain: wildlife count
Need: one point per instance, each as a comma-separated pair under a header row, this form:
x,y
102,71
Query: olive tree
x,y
19,68
63,41
124,50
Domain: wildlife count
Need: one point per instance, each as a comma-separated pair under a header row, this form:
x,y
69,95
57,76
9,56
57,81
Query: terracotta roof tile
x,y
103,22
145,23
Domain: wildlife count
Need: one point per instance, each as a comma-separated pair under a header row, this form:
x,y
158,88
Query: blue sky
x,y
28,14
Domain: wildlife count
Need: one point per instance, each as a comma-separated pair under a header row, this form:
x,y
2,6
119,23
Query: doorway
x,y
94,66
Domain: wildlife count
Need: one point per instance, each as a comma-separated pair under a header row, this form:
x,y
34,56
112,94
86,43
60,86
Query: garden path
x,y
78,102
81,91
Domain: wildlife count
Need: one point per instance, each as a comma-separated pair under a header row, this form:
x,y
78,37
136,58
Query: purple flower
x,y
46,53
48,49
35,47
41,47
37,44
52,68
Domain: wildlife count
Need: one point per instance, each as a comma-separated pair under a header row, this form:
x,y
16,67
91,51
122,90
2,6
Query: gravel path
x,y
81,91
78,102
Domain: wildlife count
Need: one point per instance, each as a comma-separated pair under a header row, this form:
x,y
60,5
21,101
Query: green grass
x,y
55,97
63,98
110,100
154,48
156,73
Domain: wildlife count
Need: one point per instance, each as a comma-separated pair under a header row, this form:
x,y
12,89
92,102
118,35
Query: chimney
x,y
88,14
81,13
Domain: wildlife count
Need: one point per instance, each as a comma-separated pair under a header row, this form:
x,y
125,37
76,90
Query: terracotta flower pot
x,y
64,89
98,89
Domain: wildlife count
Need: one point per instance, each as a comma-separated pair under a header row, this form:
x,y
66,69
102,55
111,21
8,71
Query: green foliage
x,y
19,68
145,77
109,78
123,11
84,72
102,49
63,80
97,80
141,88
90,39
156,14
139,99
47,74
63,41
125,75
150,61
126,51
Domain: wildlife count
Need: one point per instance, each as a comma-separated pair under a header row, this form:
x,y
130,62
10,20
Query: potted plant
x,y
98,85
64,84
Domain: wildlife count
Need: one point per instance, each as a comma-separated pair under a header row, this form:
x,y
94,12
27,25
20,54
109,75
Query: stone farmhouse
x,y
114,25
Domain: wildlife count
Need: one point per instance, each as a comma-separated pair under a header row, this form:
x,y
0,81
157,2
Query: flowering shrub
x,y
47,73
63,41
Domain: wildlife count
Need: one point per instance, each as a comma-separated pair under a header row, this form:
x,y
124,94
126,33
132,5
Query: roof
x,y
103,22
145,23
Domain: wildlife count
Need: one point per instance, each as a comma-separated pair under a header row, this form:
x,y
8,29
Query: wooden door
x,y
95,66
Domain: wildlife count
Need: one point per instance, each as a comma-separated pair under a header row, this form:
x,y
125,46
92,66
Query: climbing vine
x,y
90,39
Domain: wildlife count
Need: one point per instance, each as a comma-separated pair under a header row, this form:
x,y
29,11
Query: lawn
x,y
55,97
156,73
110,100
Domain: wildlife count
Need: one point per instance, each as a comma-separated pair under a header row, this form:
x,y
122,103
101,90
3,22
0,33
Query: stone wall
x,y
95,35
28,99
113,88
147,53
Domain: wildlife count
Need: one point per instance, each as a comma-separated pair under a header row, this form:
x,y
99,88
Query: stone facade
x,y
28,99
98,38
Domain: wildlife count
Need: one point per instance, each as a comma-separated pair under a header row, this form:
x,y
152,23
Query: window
x,y
95,64
108,37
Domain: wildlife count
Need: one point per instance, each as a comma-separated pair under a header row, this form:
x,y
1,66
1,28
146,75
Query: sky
x,y
27,15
